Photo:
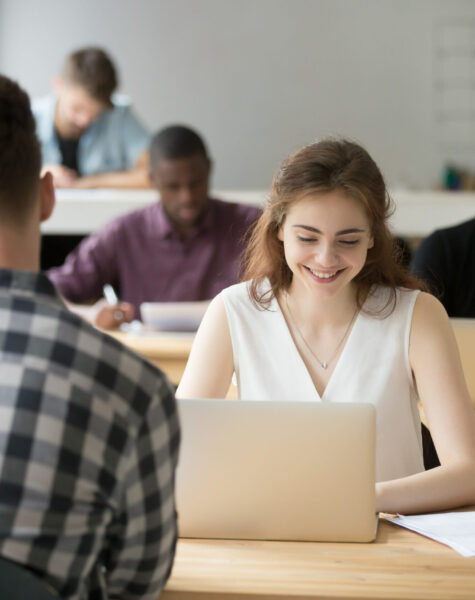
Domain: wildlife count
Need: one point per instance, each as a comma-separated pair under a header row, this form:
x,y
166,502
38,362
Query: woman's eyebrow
x,y
342,232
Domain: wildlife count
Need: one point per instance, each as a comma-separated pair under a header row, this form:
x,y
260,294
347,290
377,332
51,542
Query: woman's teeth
x,y
323,275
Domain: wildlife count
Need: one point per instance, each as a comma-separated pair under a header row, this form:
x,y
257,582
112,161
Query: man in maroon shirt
x,y
185,247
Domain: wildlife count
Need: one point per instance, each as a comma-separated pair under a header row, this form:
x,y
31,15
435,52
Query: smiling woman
x,y
326,312
326,238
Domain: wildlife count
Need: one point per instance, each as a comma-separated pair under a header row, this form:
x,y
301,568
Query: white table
x,y
417,212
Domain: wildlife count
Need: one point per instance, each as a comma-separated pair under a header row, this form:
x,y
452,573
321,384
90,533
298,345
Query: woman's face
x,y
326,238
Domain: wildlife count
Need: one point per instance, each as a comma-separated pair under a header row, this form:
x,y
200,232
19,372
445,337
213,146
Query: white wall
x,y
258,77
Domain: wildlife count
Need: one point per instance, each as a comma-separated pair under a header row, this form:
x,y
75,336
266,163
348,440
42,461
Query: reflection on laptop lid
x,y
276,471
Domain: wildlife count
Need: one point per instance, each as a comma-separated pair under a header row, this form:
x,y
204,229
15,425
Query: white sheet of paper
x,y
454,529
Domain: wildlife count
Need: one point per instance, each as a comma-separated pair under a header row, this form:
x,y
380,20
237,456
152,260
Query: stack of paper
x,y
455,529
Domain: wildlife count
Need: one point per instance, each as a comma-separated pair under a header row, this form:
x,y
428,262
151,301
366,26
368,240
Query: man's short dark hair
x,y
20,154
174,142
93,70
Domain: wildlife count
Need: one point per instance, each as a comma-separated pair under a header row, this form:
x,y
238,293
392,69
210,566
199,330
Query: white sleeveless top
x,y
373,367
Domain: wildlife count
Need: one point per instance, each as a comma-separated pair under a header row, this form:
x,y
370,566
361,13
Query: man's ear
x,y
47,197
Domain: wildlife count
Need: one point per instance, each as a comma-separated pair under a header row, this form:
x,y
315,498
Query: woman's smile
x,y
324,276
326,238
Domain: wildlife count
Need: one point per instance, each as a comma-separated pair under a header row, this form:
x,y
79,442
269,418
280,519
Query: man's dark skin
x,y
183,187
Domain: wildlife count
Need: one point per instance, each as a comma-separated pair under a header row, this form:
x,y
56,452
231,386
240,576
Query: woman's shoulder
x,y
383,291
428,309
237,290
384,301
243,288
241,294
421,309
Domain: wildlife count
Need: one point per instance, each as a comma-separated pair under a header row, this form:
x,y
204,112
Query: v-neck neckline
x,y
324,395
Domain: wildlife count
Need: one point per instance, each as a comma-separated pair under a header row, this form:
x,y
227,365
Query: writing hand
x,y
110,316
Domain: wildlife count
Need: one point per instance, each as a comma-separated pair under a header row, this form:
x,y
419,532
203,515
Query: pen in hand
x,y
113,300
115,312
110,295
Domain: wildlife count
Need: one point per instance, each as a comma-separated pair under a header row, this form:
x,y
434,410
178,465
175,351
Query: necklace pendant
x,y
324,365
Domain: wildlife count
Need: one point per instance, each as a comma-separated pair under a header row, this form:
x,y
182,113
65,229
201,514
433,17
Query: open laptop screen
x,y
276,470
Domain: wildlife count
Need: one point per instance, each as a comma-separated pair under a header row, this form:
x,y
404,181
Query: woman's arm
x,y
435,362
210,366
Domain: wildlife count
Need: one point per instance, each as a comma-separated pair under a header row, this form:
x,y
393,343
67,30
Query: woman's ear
x,y
280,234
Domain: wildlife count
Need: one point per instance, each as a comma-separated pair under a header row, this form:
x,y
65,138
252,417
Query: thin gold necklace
x,y
323,364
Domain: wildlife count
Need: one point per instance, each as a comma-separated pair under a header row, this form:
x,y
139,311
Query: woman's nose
x,y
326,255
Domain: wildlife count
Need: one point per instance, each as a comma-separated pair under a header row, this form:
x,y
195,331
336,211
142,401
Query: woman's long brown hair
x,y
320,168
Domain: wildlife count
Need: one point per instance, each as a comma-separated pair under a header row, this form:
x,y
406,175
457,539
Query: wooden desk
x,y
168,351
399,565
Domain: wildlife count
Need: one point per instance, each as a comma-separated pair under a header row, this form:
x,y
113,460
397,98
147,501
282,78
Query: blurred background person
x,y
90,137
186,247
445,260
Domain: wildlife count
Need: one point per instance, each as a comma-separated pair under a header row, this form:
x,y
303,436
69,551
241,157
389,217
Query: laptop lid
x,y
276,470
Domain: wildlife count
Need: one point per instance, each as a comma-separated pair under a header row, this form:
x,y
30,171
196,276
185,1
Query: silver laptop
x,y
276,471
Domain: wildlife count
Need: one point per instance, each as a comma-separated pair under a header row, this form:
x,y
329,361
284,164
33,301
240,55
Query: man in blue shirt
x,y
89,136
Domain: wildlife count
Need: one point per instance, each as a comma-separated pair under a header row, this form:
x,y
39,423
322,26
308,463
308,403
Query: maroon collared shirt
x,y
144,256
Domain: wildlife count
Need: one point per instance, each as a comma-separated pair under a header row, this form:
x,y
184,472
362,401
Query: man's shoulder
x,y
42,104
461,231
236,210
106,362
112,236
121,101
139,217
120,110
117,128
118,369
130,365
43,112
449,239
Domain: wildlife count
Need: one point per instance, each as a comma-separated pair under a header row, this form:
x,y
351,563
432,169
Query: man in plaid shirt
x,y
88,430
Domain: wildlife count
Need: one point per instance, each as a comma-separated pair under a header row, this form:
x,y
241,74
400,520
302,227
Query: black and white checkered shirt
x,y
89,437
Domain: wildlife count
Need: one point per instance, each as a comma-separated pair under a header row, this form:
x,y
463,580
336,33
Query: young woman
x,y
325,313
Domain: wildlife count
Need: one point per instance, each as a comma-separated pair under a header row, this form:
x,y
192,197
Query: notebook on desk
x,y
276,471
